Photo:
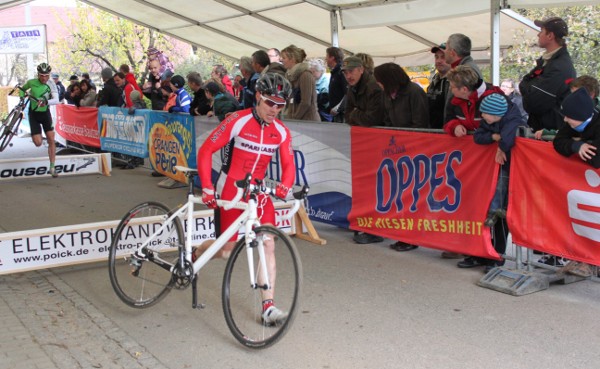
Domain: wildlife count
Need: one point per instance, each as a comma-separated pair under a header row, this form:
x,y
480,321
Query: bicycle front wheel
x,y
9,128
242,303
143,281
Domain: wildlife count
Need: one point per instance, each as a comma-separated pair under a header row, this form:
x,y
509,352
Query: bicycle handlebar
x,y
18,87
245,186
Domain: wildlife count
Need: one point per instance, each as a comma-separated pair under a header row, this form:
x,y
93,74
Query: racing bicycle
x,y
10,125
150,255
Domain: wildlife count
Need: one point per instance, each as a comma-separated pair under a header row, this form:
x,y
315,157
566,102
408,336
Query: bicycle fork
x,y
257,241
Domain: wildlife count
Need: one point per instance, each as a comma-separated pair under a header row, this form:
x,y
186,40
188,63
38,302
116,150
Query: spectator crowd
x,y
550,101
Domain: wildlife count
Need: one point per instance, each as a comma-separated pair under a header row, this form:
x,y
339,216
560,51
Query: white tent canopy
x,y
391,30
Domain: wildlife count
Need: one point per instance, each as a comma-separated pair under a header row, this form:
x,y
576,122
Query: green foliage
x,y
203,61
582,42
98,39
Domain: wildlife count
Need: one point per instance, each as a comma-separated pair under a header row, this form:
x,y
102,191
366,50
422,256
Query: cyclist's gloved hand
x,y
281,191
208,198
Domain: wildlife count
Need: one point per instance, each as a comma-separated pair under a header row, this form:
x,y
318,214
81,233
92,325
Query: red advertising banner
x,y
426,189
78,124
554,202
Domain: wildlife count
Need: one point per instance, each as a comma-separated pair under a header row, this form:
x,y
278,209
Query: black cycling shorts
x,y
39,120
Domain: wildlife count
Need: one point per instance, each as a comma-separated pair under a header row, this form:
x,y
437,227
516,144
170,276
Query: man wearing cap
x,y
364,107
364,97
438,88
581,134
545,87
183,100
59,86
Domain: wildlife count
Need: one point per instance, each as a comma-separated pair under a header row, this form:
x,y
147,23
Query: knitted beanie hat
x,y
494,104
578,105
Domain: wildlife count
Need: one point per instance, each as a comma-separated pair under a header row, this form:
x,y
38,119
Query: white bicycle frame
x,y
248,218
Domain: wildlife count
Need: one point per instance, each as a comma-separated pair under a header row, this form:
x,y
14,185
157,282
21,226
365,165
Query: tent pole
x,y
495,42
334,28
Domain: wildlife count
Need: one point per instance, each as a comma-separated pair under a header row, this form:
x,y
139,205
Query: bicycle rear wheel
x,y
9,127
142,282
242,303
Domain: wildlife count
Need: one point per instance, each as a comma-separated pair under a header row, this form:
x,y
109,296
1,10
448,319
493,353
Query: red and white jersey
x,y
249,146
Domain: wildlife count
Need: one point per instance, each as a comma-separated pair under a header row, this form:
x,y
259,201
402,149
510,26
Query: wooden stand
x,y
301,221
104,166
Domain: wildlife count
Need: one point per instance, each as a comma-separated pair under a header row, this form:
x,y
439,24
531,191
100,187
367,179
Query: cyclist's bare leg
x,y
37,139
51,146
271,268
221,254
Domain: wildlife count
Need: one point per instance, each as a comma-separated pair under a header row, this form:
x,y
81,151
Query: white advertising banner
x,y
85,243
65,165
23,40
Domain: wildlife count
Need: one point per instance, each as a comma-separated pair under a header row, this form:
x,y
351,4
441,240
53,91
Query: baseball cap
x,y
54,75
555,25
177,81
441,47
351,62
74,78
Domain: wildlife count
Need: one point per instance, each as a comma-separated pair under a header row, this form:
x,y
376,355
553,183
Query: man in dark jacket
x,y
364,97
59,86
545,87
110,94
438,88
200,104
364,107
337,83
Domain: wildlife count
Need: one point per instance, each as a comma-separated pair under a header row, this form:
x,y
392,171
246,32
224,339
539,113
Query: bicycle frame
x,y
248,219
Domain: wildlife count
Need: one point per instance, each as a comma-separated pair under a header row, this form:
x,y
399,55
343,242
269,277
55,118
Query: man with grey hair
x,y
250,76
200,105
458,52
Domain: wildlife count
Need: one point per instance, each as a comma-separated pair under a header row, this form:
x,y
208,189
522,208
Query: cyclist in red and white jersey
x,y
250,138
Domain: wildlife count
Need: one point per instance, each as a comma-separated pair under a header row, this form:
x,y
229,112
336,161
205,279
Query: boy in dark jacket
x,y
500,122
581,135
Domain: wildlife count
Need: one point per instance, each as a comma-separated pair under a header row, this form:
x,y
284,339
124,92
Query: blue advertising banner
x,y
124,133
322,156
171,142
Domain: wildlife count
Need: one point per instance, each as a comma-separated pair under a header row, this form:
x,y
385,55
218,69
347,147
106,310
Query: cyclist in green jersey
x,y
39,113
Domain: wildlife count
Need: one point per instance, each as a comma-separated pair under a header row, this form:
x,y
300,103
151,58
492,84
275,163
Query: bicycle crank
x,y
182,276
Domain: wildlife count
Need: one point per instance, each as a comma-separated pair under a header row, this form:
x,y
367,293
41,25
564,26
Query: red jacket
x,y
466,112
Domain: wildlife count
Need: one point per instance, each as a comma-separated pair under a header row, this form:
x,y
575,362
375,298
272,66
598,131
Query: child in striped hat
x,y
502,120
